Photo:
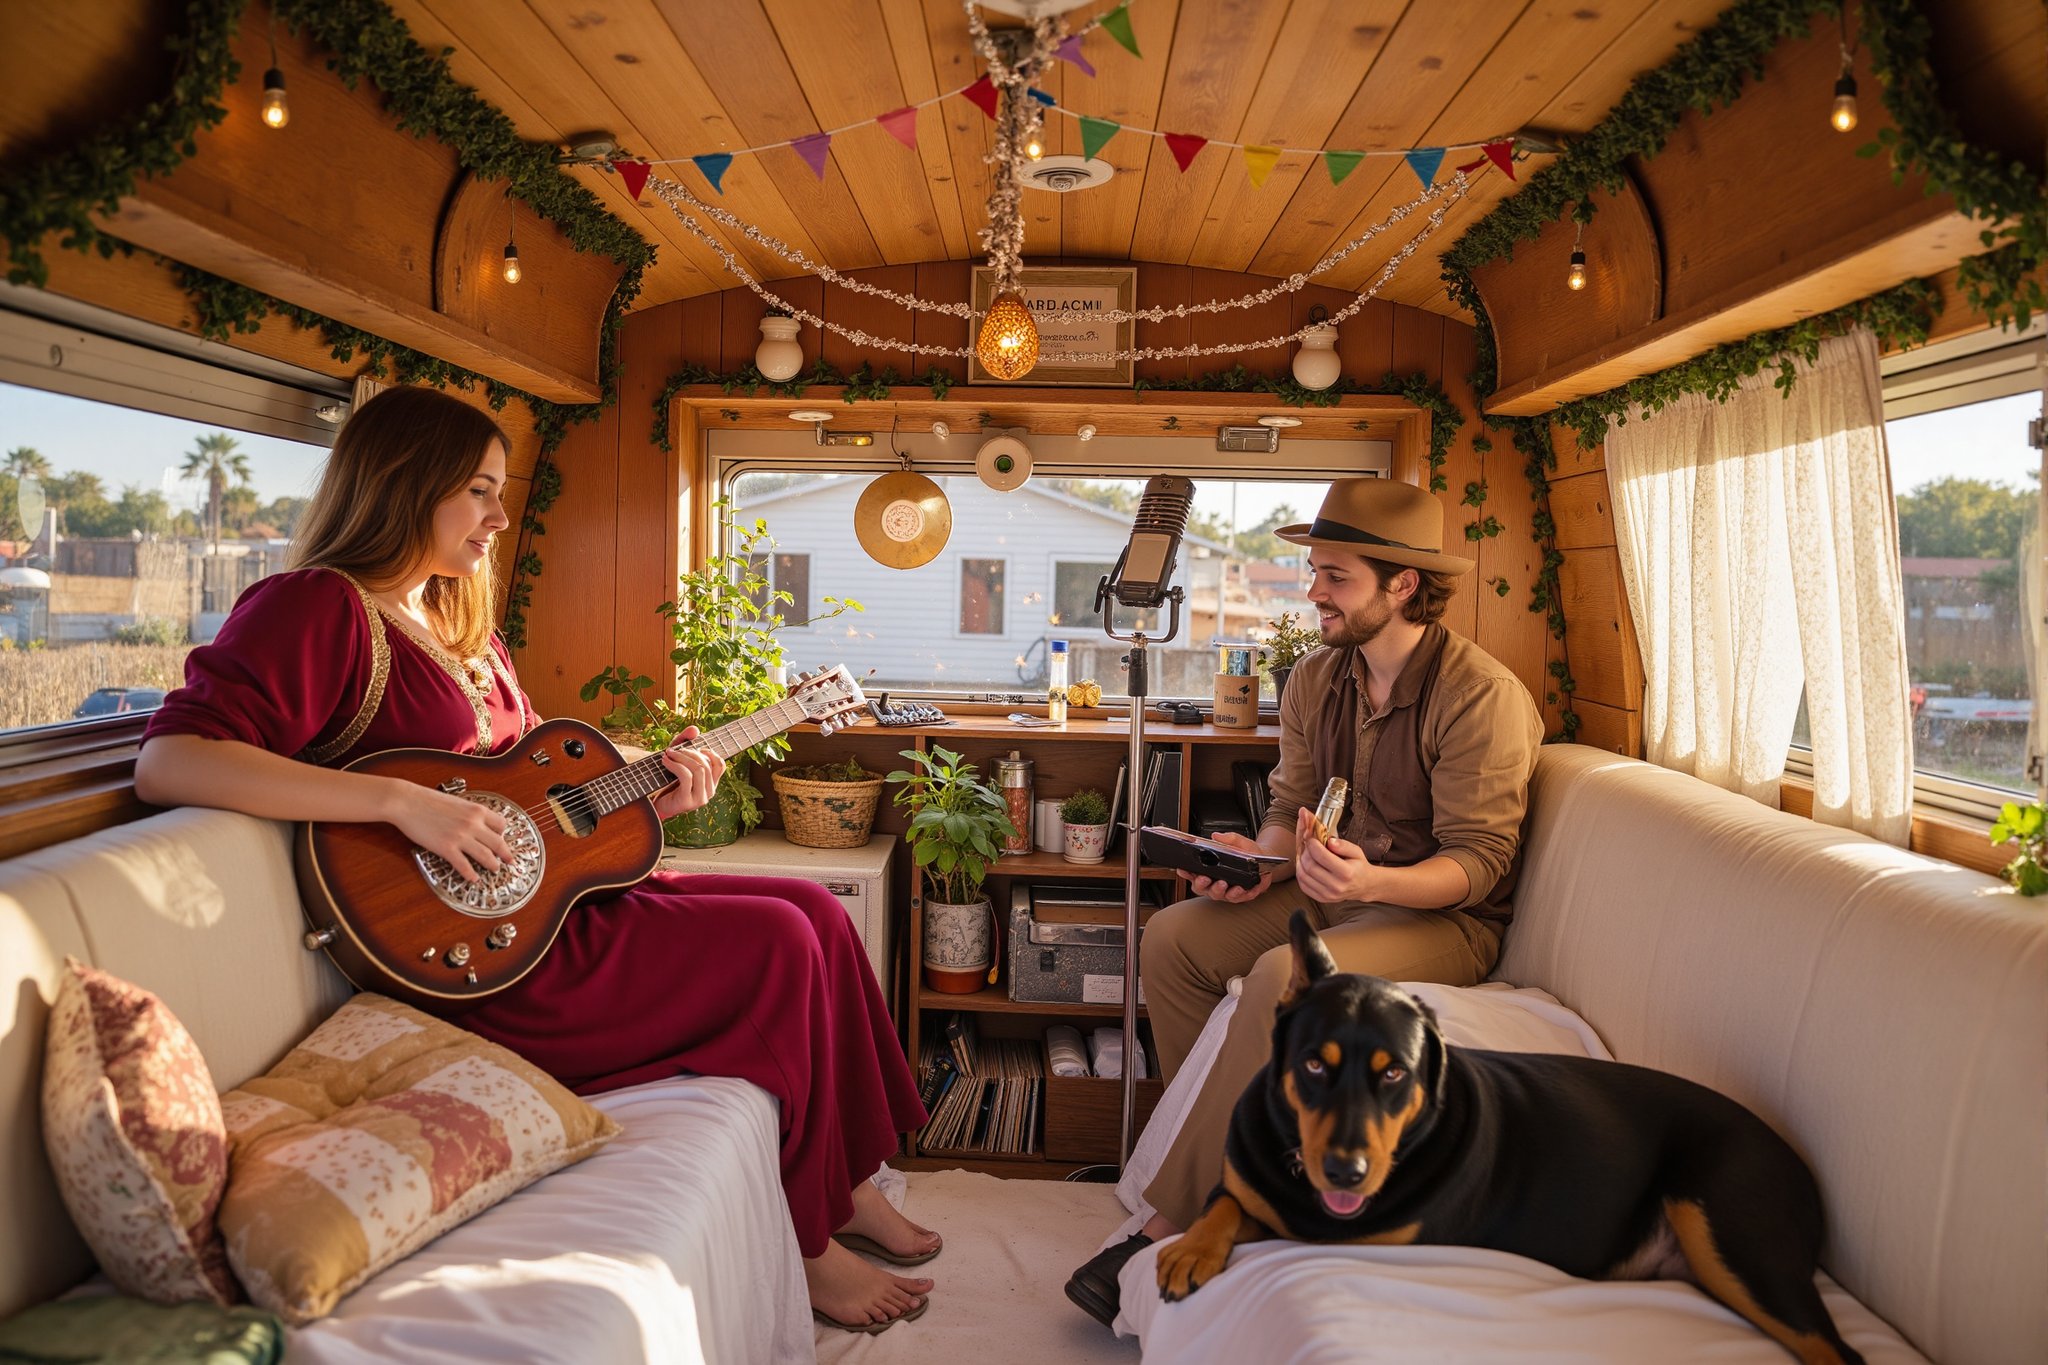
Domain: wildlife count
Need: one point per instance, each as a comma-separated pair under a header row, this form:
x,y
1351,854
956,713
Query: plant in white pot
x,y
958,823
1086,817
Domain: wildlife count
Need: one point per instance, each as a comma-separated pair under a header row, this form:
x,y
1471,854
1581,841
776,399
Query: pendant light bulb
x,y
1035,149
1008,345
511,263
277,112
1844,116
1576,279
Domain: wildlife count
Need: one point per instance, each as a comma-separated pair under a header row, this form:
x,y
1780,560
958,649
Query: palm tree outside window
x,y
215,457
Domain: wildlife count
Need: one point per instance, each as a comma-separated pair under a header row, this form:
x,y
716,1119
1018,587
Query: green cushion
x,y
114,1328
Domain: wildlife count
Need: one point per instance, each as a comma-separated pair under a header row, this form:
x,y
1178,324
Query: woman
x,y
380,637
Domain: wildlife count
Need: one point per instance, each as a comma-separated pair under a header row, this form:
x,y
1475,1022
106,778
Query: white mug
x,y
1048,830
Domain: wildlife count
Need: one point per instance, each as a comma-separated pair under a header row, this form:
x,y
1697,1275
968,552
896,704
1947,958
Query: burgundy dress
x,y
760,978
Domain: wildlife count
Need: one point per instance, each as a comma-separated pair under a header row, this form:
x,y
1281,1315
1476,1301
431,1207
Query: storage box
x,y
1084,1114
1067,944
859,877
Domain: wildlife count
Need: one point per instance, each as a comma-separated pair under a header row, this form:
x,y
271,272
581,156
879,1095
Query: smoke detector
x,y
1032,9
1065,174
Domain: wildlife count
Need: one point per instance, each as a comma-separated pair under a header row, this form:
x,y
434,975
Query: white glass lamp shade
x,y
778,357
1317,364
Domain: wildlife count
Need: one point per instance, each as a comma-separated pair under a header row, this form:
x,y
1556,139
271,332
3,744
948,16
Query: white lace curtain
x,y
1760,548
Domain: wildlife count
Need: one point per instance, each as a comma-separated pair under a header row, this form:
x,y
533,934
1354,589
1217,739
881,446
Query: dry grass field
x,y
38,686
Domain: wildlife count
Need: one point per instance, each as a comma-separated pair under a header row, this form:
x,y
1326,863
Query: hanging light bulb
x,y
1844,115
1008,346
511,262
1576,278
277,111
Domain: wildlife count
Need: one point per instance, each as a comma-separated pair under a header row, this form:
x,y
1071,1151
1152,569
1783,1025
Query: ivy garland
x,y
863,383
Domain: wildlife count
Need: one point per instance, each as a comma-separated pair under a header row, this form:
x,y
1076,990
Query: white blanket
x,y
672,1244
1279,1302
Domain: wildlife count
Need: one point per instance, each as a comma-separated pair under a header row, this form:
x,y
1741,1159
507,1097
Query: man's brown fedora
x,y
1381,519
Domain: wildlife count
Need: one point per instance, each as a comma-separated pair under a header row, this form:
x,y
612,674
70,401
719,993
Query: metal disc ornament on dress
x,y
903,520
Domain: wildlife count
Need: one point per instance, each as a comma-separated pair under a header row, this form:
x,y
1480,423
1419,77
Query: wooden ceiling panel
x,y
1098,222
912,51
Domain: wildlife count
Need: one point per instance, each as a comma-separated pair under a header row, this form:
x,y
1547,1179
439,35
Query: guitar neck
x,y
643,777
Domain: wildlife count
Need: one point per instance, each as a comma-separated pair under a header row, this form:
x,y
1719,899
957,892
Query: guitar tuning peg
x,y
825,727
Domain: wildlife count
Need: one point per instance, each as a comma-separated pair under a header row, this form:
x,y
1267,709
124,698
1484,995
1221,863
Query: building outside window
x,y
783,572
981,596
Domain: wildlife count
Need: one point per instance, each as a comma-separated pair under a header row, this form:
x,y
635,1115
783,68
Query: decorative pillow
x,y
384,1129
134,1132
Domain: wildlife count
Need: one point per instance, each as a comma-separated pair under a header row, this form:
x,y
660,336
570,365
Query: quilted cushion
x,y
382,1130
135,1136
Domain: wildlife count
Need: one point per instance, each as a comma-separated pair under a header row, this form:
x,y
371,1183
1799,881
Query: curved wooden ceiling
x,y
676,78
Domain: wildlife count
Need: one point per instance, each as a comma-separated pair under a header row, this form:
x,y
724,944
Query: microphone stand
x,y
1138,687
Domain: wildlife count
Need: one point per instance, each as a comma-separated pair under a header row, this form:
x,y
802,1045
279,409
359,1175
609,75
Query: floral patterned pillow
x,y
384,1129
134,1132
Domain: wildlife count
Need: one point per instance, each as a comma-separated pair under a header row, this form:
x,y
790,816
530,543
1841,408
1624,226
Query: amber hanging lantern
x,y
1008,347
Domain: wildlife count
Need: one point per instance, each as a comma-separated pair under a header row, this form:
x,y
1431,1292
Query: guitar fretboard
x,y
643,777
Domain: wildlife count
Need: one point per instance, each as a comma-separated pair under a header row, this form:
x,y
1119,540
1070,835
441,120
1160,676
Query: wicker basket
x,y
828,814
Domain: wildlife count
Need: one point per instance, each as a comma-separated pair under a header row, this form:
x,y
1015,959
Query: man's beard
x,y
1360,627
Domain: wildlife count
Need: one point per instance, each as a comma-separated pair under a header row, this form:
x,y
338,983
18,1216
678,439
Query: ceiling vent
x,y
1064,174
1248,440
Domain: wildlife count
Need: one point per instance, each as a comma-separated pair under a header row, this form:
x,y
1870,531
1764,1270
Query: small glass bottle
x,y
1329,817
1056,682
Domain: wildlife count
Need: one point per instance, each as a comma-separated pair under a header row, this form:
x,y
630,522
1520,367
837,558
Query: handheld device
x,y
1199,857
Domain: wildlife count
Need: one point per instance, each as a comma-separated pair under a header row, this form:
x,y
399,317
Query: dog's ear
x,y
1435,1055
1312,961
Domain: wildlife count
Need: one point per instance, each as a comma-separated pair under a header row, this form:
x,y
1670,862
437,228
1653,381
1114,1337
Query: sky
x,y
124,446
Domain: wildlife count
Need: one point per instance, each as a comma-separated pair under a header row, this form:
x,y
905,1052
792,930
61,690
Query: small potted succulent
x,y
1086,816
1287,646
827,805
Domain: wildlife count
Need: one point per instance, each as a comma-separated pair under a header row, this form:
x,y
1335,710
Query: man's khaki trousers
x,y
1190,950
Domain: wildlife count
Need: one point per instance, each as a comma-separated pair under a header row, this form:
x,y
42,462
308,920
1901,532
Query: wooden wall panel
x,y
572,626
1418,342
1610,728
864,312
1504,624
1462,466
1238,325
1600,636
945,282
1163,286
1583,513
1572,458
645,552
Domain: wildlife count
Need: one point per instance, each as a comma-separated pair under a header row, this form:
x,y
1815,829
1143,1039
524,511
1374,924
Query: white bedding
x,y
1280,1302
672,1244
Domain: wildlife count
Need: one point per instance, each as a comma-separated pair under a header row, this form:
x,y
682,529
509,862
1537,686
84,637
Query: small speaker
x,y
1003,463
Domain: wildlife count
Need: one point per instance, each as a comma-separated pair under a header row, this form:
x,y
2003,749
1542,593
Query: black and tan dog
x,y
1365,1127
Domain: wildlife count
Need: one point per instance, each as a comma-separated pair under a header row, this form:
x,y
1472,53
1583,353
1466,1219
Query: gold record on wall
x,y
903,520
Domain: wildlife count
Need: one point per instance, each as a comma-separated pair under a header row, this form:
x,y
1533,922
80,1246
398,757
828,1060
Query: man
x,y
1437,740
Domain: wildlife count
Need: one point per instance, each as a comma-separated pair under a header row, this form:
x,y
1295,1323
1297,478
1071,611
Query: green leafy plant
x,y
1289,643
723,621
2026,826
958,822
1085,807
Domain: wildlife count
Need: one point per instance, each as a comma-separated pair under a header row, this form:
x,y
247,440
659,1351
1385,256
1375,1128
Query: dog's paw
x,y
1188,1264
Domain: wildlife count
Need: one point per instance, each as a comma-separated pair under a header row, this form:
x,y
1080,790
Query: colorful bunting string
x,y
1095,132
902,125
1070,51
1424,162
714,165
813,149
1184,146
1117,23
1341,164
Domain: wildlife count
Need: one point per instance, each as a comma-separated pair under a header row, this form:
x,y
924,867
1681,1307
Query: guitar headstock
x,y
828,696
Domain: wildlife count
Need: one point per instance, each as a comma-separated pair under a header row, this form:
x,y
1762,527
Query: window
x,y
1968,492
134,508
981,597
1019,570
781,572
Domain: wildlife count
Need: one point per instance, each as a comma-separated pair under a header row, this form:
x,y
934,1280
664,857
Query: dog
x,y
1365,1127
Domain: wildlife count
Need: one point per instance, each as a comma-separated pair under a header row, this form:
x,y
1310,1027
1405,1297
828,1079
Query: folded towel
x,y
1106,1053
1069,1058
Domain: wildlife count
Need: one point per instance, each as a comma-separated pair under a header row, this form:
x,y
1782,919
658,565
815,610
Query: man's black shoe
x,y
1093,1287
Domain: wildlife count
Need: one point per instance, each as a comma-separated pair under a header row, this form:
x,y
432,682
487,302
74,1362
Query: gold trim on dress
x,y
373,695
473,676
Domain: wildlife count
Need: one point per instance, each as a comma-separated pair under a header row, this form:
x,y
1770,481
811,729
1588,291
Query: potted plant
x,y
1287,646
2026,826
1086,817
958,823
827,805
728,666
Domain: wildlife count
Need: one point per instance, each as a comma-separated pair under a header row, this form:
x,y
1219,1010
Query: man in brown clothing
x,y
1437,740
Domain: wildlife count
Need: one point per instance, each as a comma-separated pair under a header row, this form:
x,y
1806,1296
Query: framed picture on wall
x,y
1071,349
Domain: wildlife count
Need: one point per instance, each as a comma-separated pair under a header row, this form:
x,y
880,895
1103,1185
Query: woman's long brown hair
x,y
397,459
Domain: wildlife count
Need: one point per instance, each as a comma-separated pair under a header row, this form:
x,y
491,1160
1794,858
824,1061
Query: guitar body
x,y
404,925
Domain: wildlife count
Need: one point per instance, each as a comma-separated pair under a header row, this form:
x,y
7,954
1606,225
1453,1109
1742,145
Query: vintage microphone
x,y
1140,579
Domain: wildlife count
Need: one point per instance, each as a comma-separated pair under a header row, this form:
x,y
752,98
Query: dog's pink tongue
x,y
1343,1203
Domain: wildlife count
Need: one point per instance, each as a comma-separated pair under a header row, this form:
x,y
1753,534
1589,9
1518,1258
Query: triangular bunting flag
x,y
1341,164
713,165
1502,154
634,173
1471,166
1070,51
1258,164
1095,134
1183,145
1424,161
902,125
813,149
1047,100
983,94
1118,22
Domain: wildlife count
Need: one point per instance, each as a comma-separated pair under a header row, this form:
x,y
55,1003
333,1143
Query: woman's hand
x,y
468,835
696,772
1218,890
1336,871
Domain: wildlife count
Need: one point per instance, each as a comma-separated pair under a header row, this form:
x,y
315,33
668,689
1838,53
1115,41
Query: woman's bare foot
x,y
847,1289
876,1219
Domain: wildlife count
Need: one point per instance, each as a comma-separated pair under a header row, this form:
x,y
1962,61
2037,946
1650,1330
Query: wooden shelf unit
x,y
1085,752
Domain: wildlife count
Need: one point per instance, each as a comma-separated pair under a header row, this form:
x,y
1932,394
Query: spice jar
x,y
1013,778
